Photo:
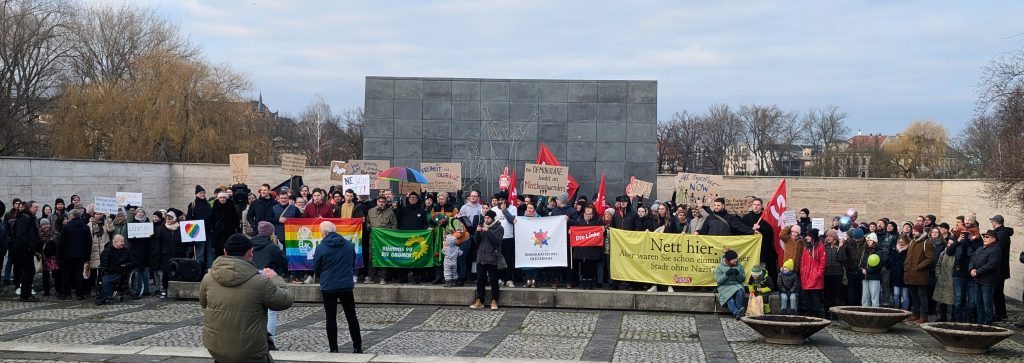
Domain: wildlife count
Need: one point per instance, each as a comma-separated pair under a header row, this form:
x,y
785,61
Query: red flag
x,y
773,215
513,192
544,156
600,201
586,236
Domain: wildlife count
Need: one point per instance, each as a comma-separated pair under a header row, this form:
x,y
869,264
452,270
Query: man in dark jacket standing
x,y
412,217
74,251
235,297
768,255
334,261
26,242
721,223
625,216
985,269
1003,234
262,209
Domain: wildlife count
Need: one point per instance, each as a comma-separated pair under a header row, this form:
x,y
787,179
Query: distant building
x,y
792,161
856,158
282,132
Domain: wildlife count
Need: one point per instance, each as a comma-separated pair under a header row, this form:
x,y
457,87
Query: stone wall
x,y
487,124
167,184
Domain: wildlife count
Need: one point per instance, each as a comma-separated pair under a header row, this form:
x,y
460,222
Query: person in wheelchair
x,y
115,264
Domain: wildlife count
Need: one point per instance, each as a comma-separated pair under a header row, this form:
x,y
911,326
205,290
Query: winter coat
x,y
944,279
261,210
357,211
938,249
792,249
854,251
489,242
759,286
382,218
644,224
198,210
873,272
266,254
115,261
1003,235
334,261
789,282
920,255
26,236
141,248
728,285
768,254
289,211
962,251
896,268
100,238
886,246
167,240
624,219
222,224
835,260
986,262
812,271
412,218
724,224
235,298
76,241
322,210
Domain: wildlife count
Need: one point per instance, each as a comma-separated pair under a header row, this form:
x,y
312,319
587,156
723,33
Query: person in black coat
x,y
412,217
23,250
768,255
625,216
266,253
1003,234
116,263
168,240
74,250
721,223
262,209
223,223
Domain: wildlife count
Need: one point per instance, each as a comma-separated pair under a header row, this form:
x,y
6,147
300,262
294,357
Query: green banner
x,y
402,249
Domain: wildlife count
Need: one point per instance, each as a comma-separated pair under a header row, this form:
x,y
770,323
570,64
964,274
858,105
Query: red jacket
x,y
812,268
322,210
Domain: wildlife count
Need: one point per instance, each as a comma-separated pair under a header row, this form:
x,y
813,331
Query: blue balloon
x,y
845,223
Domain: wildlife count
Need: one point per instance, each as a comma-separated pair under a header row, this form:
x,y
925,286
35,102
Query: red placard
x,y
586,236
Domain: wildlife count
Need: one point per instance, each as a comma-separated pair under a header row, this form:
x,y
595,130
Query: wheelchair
x,y
130,285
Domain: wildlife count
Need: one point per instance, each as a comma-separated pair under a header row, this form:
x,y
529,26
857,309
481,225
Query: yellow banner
x,y
676,259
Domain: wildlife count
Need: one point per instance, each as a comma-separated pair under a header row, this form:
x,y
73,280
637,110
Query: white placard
x,y
541,242
140,230
126,198
358,183
789,218
106,205
819,224
192,231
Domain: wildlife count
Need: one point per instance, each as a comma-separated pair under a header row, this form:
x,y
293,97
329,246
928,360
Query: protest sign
x,y
676,259
819,224
639,187
358,183
402,249
443,177
546,180
106,205
302,235
239,168
541,242
140,230
586,236
406,188
371,168
692,187
132,199
192,231
293,164
338,169
789,218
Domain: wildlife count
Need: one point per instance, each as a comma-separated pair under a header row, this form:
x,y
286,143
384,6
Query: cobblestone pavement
x,y
514,333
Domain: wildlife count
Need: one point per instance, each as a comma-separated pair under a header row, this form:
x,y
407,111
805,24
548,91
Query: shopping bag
x,y
755,306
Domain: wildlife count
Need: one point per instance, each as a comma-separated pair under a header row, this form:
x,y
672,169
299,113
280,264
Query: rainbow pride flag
x,y
302,235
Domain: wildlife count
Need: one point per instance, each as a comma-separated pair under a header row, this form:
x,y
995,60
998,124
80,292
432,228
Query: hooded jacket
x,y
235,299
1003,234
812,266
916,268
266,254
333,261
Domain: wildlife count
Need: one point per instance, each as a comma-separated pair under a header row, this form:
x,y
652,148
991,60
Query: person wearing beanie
x,y
412,216
853,248
267,252
789,288
222,223
167,242
812,272
201,210
871,272
58,216
768,255
234,296
916,268
760,284
565,275
803,219
489,259
729,275
835,259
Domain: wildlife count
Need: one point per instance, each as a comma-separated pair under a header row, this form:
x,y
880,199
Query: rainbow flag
x,y
302,235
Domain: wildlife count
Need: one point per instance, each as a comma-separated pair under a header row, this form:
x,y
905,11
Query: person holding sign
x,y
768,255
730,277
721,223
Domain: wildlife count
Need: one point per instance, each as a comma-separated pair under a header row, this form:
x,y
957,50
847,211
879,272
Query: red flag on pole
x,y
600,201
773,215
544,156
513,191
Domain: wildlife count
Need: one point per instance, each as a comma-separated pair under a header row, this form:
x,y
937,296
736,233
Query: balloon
x,y
845,223
852,213
873,260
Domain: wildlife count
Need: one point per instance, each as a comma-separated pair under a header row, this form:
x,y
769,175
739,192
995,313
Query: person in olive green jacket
x,y
235,297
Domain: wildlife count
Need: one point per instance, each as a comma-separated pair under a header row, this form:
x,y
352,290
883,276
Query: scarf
x,y
900,247
173,226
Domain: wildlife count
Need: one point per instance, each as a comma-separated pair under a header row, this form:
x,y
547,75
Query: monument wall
x,y
592,127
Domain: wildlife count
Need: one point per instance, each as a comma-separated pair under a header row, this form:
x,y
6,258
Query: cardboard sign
x,y
358,183
140,230
105,205
338,169
132,199
443,177
239,168
192,231
406,188
371,168
692,187
546,180
819,224
639,187
293,164
789,218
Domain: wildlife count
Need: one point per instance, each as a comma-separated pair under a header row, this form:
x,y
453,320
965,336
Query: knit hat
x,y
788,264
756,270
44,221
59,201
806,211
265,228
944,225
622,198
609,210
919,228
730,255
237,244
171,214
832,233
871,237
490,213
199,188
564,197
856,233
502,195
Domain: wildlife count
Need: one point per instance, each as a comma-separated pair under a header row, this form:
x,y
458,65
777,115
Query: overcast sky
x,y
885,63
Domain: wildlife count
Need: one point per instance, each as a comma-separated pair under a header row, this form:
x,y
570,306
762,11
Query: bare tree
x,y
716,133
825,131
318,127
33,43
769,134
677,143
350,141
999,124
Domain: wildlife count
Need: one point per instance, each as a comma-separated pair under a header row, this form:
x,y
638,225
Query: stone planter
x,y
868,319
966,337
785,329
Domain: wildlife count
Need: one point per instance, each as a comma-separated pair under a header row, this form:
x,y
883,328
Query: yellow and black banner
x,y
676,259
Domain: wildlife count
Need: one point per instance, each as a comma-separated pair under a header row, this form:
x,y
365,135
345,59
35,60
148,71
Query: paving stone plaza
x,y
391,332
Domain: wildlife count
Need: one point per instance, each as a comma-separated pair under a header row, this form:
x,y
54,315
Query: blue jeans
x,y
870,292
109,283
901,297
463,258
960,299
789,301
987,308
204,251
973,302
271,322
736,302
